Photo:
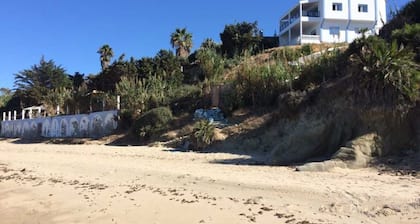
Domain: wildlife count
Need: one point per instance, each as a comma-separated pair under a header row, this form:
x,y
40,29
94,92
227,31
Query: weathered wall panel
x,y
92,125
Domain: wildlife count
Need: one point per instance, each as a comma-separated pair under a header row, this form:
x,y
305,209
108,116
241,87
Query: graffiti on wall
x,y
91,125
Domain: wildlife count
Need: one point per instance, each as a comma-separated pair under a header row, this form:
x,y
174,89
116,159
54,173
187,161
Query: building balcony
x,y
286,22
311,14
309,39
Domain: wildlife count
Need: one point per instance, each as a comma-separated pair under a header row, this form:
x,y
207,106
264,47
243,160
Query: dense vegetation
x,y
154,89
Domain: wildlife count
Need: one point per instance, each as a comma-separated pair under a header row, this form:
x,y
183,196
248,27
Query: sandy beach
x,y
48,183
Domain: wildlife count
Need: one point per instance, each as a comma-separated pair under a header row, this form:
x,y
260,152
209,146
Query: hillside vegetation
x,y
346,105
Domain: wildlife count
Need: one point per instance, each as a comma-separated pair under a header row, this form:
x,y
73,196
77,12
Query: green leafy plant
x,y
388,71
152,123
203,134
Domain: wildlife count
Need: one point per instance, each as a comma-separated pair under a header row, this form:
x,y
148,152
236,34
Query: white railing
x,y
310,39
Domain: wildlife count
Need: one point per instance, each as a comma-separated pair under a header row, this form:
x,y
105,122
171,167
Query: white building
x,y
331,21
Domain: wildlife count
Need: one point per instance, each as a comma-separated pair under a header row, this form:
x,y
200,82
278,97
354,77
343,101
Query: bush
x,y
388,71
185,98
286,54
409,36
260,85
306,50
152,123
328,66
202,135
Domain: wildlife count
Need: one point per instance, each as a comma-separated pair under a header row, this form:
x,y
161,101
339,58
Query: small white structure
x,y
331,21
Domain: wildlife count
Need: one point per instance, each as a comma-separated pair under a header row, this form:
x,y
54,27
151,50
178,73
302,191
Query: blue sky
x,y
71,31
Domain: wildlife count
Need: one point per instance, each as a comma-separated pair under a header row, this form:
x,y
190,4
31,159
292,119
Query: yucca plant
x,y
203,134
387,69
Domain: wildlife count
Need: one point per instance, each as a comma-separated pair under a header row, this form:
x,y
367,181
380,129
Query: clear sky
x,y
71,31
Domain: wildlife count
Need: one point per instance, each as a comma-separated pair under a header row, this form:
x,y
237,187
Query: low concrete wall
x,y
91,125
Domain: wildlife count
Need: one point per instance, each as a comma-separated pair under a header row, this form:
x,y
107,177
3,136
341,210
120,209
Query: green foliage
x,y
33,84
109,77
240,37
181,40
106,55
168,67
231,99
203,134
260,85
306,49
286,54
388,73
409,14
185,98
409,36
5,96
210,44
152,123
56,98
211,64
79,100
329,65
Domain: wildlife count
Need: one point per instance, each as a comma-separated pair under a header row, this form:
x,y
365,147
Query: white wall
x,y
96,124
381,14
328,13
326,35
356,15
354,28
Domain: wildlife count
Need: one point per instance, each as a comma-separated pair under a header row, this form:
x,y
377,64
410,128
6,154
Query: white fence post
x,y
14,115
118,102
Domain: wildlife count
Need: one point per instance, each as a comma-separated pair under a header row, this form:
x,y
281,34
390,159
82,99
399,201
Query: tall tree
x,y
34,84
240,37
106,55
181,40
5,96
209,43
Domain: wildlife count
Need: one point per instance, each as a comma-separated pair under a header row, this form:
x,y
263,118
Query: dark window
x,y
363,8
337,6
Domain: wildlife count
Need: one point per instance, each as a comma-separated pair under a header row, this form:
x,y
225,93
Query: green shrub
x,y
388,71
286,54
152,123
409,36
231,100
202,135
185,98
261,85
306,49
327,66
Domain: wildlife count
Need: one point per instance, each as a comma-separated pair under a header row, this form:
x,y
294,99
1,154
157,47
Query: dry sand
x,y
47,183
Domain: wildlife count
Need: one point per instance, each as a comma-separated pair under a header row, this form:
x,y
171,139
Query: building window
x,y
363,8
337,6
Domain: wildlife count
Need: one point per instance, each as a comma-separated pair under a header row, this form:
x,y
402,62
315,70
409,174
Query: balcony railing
x,y
309,39
285,23
311,13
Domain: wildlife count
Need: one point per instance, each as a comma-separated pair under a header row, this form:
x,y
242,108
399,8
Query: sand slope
x,y
46,183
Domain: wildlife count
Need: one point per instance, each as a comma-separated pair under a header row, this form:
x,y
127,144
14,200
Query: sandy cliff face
x,y
334,126
329,125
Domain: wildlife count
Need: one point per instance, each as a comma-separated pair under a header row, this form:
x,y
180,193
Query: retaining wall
x,y
93,125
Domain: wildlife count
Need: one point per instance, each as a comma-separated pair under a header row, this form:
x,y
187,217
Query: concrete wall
x,y
92,125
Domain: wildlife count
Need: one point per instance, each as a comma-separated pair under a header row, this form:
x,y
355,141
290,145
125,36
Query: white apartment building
x,y
330,21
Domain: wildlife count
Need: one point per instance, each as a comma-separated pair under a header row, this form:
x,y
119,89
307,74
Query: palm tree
x,y
106,54
181,40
